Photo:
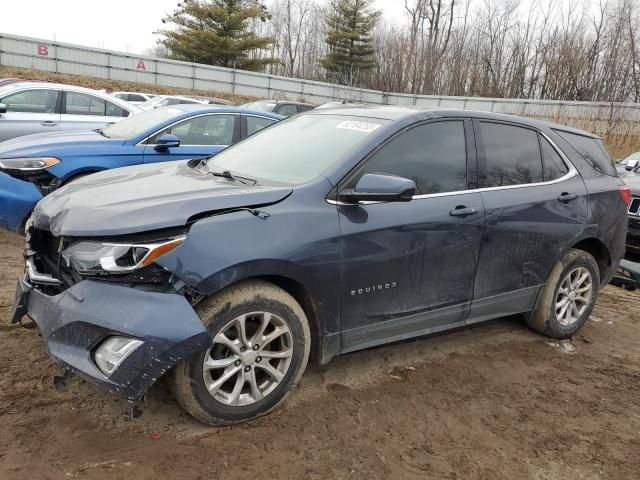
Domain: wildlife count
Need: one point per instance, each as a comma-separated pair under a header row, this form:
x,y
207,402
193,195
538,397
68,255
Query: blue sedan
x,y
35,165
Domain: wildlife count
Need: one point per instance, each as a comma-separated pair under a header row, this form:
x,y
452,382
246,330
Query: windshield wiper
x,y
227,174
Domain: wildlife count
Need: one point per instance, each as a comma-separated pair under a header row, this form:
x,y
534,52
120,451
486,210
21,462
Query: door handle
x,y
463,211
48,123
567,197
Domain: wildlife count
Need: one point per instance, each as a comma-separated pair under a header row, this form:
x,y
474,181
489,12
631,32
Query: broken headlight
x,y
90,257
28,164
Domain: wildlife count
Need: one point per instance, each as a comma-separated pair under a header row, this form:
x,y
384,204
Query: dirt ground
x,y
492,402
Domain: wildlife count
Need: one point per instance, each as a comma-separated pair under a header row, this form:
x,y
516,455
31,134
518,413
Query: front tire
x,y
568,297
260,351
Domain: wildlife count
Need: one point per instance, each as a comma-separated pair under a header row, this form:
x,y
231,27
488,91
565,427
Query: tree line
x,y
491,48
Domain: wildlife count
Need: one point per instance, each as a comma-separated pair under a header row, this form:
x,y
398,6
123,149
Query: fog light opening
x,y
113,351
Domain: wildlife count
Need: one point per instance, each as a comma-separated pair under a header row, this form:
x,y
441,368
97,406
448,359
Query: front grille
x,y
47,257
634,208
45,182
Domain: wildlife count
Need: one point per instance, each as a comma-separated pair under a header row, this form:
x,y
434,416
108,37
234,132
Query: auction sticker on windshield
x,y
358,126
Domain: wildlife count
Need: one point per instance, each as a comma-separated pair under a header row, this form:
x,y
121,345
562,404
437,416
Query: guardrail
x,y
39,54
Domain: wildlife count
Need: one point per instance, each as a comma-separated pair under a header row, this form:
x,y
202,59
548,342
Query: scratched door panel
x,y
526,229
406,259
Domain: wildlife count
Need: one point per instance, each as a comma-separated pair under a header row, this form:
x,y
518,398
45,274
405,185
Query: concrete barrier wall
x,y
18,51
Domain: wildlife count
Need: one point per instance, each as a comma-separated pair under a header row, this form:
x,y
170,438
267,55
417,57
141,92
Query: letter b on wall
x,y
43,50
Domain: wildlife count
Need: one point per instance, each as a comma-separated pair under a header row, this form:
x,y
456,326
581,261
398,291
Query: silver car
x,y
37,107
135,98
167,100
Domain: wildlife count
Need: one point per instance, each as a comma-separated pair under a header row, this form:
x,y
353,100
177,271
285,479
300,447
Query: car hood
x,y
49,143
144,198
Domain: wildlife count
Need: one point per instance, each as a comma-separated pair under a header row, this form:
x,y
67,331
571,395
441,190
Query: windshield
x,y
296,150
7,89
261,106
140,123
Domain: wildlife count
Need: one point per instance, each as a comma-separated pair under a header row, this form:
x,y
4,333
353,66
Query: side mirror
x,y
380,187
3,108
166,141
631,164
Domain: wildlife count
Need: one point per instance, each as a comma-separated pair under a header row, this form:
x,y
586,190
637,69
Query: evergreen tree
x,y
349,37
217,32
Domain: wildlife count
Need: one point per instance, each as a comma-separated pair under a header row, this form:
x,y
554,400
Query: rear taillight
x,y
625,193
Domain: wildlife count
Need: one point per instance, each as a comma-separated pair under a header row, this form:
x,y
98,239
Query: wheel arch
x,y
301,294
598,250
300,284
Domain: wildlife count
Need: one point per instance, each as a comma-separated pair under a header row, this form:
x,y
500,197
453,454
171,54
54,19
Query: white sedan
x,y
38,107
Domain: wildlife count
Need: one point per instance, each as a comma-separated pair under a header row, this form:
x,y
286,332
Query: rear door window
x,y
114,110
553,165
82,104
287,110
592,150
433,155
255,124
511,155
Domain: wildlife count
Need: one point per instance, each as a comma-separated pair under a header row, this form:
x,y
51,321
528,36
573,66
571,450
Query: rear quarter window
x,y
592,150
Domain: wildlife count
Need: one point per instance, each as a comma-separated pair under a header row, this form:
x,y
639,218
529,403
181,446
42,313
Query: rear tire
x,y
261,348
568,297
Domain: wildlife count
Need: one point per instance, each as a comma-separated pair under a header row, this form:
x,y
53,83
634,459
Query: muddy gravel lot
x,y
492,402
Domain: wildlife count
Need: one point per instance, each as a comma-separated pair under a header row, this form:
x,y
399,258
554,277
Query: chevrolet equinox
x,y
333,231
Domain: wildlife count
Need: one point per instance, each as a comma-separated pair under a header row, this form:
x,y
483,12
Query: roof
x,y
204,108
395,113
266,100
31,84
136,93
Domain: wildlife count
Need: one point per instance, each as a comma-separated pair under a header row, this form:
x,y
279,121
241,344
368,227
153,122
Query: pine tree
x,y
217,32
350,42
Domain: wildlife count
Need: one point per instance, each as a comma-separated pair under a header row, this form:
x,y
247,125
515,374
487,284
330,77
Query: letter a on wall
x,y
43,50
140,65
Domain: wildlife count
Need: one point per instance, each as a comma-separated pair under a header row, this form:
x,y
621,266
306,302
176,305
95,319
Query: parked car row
x,y
284,108
332,231
136,98
35,165
42,157
147,101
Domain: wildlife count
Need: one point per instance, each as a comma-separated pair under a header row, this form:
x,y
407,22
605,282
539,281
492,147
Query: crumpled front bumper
x,y
17,199
74,322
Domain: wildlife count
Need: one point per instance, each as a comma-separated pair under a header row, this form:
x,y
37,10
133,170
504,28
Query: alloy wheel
x,y
249,358
574,296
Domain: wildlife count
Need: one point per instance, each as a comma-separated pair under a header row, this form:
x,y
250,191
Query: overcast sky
x,y
125,25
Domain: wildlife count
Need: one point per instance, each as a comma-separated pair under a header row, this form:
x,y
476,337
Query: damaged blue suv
x,y
333,231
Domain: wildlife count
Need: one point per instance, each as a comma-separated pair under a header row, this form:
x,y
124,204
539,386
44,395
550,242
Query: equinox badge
x,y
374,288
